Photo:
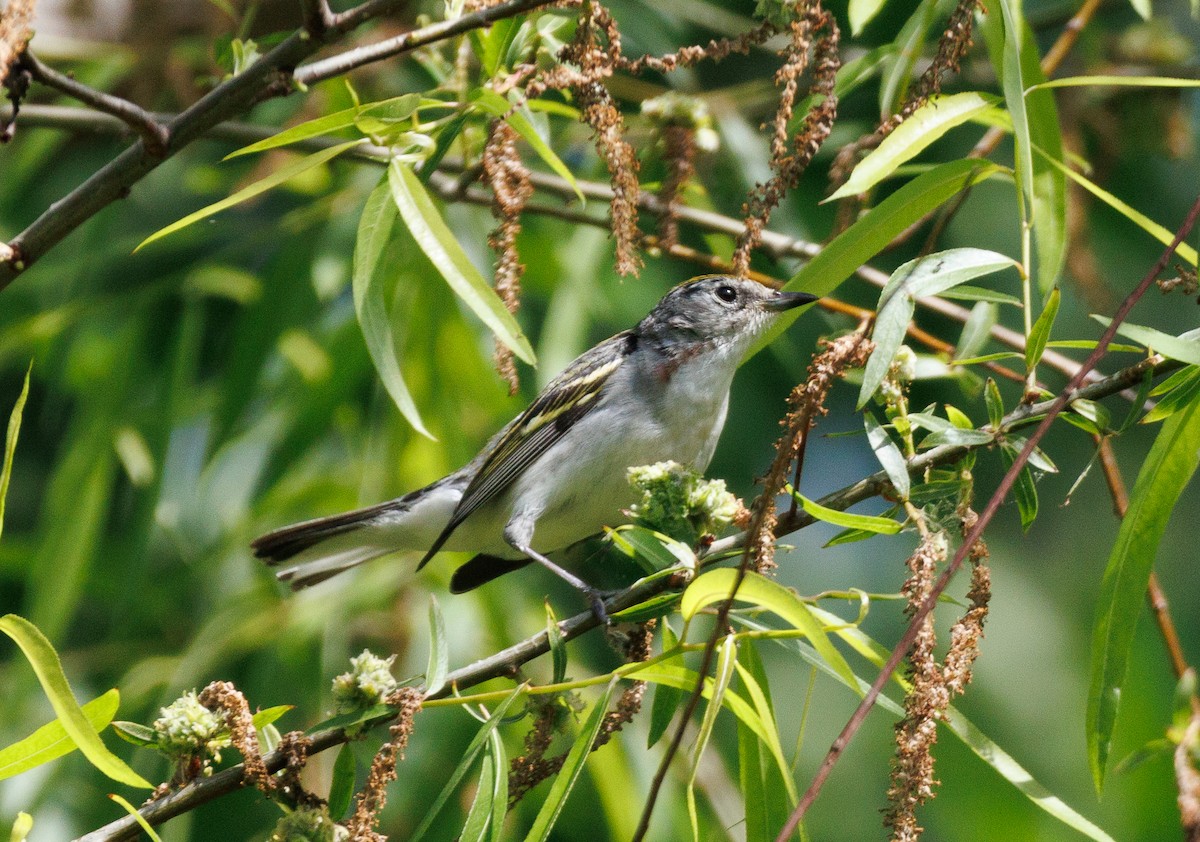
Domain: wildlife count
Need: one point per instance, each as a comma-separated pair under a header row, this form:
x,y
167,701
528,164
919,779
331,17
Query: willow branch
x,y
507,661
976,532
274,74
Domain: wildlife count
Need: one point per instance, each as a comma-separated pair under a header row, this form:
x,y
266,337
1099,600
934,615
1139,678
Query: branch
x,y
906,641
507,661
272,75
776,244
154,134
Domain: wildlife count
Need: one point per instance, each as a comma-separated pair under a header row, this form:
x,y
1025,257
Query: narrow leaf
x,y
1142,7
341,788
468,759
373,288
715,586
10,442
138,817
722,675
440,246
278,177
889,455
395,108
499,786
479,816
1103,81
1186,350
1035,346
558,646
928,123
498,106
1013,84
439,653
1177,399
565,780
44,660
861,12
21,827
666,698
868,523
51,741
977,329
1169,466
1024,489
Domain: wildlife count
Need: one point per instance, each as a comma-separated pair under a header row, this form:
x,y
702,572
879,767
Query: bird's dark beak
x,y
781,301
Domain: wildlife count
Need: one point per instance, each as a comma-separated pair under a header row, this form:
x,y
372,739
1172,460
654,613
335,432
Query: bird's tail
x,y
317,549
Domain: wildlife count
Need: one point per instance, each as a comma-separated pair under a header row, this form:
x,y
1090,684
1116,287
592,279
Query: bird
x,y
556,474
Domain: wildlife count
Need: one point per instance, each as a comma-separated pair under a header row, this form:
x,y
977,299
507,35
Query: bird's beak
x,y
781,301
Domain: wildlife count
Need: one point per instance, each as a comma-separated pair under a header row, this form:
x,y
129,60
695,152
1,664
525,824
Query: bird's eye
x,y
727,293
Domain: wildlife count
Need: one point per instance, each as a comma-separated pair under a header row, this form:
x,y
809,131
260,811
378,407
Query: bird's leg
x,y
594,597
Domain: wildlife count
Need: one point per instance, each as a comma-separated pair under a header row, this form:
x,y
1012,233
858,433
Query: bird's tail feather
x,y
317,549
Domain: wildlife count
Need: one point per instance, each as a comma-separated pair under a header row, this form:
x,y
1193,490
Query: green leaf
x,y
660,550
21,827
917,278
1168,468
928,123
439,654
46,666
266,716
716,585
1158,232
1049,198
1186,350
1118,82
374,284
276,178
347,721
768,789
395,108
666,698
1142,7
977,329
1024,489
134,732
498,106
873,231
442,248
133,811
565,780
10,442
51,740
1035,346
722,676
868,523
958,436
757,691
970,293
1038,460
861,12
468,759
889,455
499,787
479,816
1177,399
341,788
1013,83
558,646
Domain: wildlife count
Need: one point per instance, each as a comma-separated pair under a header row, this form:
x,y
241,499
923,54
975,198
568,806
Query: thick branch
x,y
507,661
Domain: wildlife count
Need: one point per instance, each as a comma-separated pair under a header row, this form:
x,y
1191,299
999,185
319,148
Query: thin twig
x,y
1057,405
153,133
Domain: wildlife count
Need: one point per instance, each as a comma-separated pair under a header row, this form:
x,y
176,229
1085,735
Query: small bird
x,y
556,474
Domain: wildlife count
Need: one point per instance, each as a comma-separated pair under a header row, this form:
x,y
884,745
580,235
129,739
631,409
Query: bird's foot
x,y
595,599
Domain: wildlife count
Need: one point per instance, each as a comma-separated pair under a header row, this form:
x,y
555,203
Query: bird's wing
x,y
566,399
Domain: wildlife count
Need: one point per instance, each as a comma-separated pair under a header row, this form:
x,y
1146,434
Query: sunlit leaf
x,y
1039,334
21,827
51,741
427,227
666,698
558,645
439,651
868,523
716,585
888,454
861,12
1186,350
1169,466
10,442
1179,397
138,817
923,276
482,736
46,666
928,123
565,780
498,106
479,816
374,284
396,107
722,675
276,178
1103,81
